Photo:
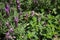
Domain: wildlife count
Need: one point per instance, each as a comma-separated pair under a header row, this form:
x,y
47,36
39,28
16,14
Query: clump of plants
x,y
29,19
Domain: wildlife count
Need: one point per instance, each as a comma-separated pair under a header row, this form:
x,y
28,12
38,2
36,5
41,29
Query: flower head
x,y
8,36
7,12
7,6
17,1
8,24
18,6
16,21
11,30
7,9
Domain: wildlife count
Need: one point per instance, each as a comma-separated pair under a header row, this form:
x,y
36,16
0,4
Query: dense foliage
x,y
29,19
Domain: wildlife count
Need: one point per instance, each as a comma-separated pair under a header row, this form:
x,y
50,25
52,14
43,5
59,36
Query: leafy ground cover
x,y
29,19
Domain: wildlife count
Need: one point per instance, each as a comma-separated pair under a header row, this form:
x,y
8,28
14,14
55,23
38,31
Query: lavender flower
x,y
16,21
7,12
8,24
7,6
18,8
11,30
7,9
18,5
8,36
17,1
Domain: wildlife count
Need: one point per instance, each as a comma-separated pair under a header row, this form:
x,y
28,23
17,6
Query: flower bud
x,y
18,8
7,12
16,21
7,9
8,24
11,30
7,6
17,1
8,36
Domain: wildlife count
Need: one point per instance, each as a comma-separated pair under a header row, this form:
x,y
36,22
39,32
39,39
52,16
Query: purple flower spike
x,y
8,24
7,6
11,30
7,9
18,6
17,1
8,36
16,21
7,12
